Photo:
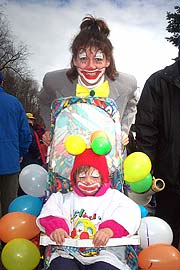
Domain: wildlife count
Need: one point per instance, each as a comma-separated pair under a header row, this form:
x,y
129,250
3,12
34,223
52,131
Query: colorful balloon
x,y
20,254
98,133
154,230
75,144
136,166
18,225
33,180
159,257
144,211
142,185
101,145
26,203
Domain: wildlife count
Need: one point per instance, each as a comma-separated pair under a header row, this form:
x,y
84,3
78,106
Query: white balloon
x,y
33,179
154,230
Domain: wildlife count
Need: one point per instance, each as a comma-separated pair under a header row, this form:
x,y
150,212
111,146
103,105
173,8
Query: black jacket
x,y
158,124
33,155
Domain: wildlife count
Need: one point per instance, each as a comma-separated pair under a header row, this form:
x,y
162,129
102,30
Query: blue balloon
x,y
26,203
144,211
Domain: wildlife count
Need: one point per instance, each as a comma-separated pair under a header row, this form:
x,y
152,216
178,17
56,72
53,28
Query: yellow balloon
x,y
75,144
136,166
20,254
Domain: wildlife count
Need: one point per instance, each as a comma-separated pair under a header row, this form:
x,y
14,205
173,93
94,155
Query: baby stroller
x,y
83,116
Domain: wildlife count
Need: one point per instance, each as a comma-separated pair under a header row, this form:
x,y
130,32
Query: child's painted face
x,y
89,182
91,64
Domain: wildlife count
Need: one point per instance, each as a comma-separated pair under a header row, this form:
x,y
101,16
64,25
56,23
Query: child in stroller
x,y
93,210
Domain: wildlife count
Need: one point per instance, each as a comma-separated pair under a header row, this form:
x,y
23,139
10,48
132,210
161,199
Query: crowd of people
x,y
93,72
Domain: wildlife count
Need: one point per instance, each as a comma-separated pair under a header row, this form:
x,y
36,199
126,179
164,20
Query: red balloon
x,y
159,257
18,225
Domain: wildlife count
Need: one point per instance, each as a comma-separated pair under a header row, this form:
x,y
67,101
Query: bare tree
x,y
13,56
18,79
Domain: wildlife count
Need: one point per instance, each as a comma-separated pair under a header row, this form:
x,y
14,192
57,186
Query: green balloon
x,y
101,145
20,254
142,185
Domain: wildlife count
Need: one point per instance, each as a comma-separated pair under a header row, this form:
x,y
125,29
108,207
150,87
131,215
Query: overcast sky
x,y
138,31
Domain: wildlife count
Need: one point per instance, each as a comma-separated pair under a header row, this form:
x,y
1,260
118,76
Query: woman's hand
x,y
102,236
59,236
125,139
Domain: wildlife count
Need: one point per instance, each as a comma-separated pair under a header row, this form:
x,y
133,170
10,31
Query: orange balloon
x,y
159,257
18,225
97,133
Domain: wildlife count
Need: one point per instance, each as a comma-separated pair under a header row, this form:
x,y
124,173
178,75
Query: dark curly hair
x,y
93,33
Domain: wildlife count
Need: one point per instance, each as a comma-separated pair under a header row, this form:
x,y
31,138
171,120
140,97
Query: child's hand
x,y
102,236
59,236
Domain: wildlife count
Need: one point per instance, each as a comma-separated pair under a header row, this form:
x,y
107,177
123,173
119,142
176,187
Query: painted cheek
x,y
79,64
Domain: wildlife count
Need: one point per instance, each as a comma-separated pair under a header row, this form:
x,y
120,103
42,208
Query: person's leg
x,y
60,263
168,209
100,266
8,188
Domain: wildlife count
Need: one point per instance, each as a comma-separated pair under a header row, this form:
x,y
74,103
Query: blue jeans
x,y
60,263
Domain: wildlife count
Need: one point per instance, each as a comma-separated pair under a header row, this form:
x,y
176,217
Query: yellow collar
x,y
101,91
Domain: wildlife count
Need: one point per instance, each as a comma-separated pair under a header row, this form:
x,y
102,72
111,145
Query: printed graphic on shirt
x,y
85,227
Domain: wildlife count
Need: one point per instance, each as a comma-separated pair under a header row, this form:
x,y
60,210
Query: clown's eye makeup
x,y
99,55
82,175
82,55
95,174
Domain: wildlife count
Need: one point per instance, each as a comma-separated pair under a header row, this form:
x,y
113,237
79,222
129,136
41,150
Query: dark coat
x,y
158,124
33,155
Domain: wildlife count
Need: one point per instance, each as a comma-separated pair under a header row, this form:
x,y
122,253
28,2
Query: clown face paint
x,y
91,65
89,182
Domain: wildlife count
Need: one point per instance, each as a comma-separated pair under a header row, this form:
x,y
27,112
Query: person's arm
x,y
46,96
25,136
108,229
129,113
53,207
117,229
56,228
51,223
55,85
120,219
124,91
148,119
52,220
123,216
